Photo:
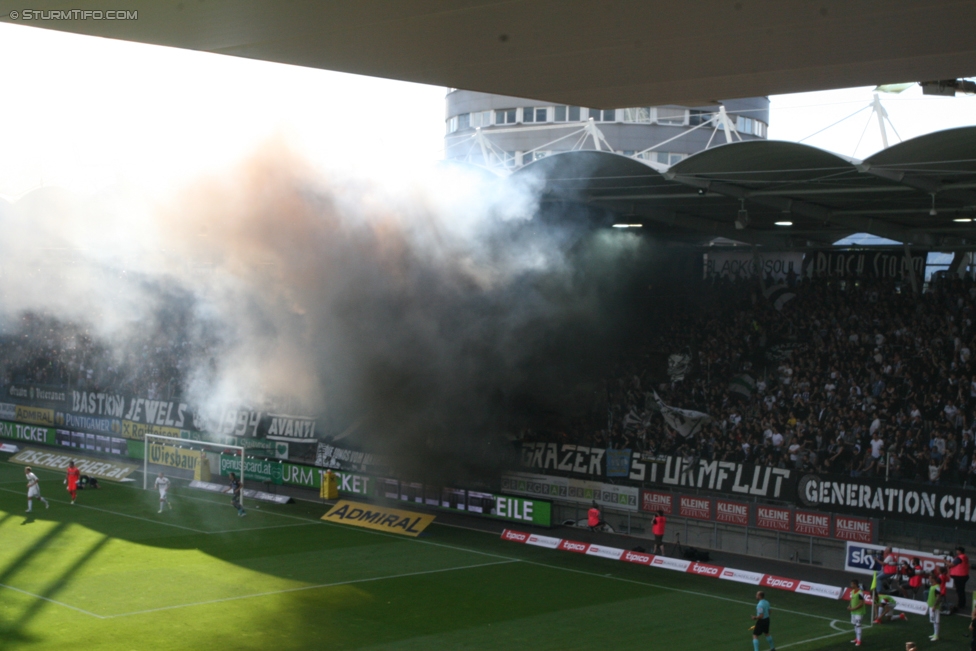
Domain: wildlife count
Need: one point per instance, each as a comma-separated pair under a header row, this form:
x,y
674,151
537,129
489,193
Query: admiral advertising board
x,y
875,498
379,518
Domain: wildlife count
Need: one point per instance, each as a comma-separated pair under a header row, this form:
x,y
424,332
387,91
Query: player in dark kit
x,y
235,494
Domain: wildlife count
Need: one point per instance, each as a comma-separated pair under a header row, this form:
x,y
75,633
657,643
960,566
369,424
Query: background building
x,y
503,132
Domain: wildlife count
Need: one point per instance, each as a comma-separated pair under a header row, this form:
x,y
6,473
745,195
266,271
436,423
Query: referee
x,y
762,622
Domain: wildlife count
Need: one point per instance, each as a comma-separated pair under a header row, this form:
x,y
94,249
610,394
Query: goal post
x,y
169,451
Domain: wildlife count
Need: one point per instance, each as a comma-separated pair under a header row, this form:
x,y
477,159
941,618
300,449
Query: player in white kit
x,y
162,483
33,490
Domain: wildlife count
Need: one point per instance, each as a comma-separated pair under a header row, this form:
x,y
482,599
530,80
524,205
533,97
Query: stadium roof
x,y
826,197
599,54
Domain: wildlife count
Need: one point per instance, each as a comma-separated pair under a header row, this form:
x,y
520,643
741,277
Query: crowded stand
x,y
849,377
45,350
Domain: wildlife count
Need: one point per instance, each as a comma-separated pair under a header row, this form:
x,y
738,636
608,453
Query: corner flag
x,y
874,582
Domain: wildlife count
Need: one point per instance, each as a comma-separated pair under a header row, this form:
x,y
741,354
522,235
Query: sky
x,y
87,113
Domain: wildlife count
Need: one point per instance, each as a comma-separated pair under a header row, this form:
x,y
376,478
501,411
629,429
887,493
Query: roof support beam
x,y
816,211
716,229
919,183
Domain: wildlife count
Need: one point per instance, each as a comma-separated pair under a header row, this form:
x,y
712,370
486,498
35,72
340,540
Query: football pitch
x,y
111,573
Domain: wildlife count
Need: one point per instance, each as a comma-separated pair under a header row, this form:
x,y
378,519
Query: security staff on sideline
x,y
657,528
959,572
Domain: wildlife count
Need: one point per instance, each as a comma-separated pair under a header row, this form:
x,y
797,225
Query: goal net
x,y
185,459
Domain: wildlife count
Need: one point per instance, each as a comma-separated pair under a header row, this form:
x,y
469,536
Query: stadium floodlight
x,y
161,442
784,223
628,225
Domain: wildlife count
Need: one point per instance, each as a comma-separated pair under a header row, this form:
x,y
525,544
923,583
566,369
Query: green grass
x,y
110,573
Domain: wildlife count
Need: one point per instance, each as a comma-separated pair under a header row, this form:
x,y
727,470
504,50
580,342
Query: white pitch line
x,y
274,526
59,603
816,639
124,515
665,587
306,587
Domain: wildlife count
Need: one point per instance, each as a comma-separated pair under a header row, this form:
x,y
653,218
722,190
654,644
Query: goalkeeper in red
x,y
71,480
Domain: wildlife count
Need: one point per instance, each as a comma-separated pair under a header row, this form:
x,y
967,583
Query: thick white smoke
x,y
431,309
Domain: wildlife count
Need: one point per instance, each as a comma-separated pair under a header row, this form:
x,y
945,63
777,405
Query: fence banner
x,y
732,512
864,264
45,396
653,501
729,477
854,529
773,518
811,524
876,498
618,462
571,490
290,428
698,508
747,264
20,432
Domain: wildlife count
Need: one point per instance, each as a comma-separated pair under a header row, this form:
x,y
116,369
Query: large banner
x,y
864,264
670,471
875,498
132,417
582,460
723,477
44,396
290,428
572,490
330,456
746,264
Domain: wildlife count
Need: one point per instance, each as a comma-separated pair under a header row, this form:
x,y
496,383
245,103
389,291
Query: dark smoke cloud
x,y
436,318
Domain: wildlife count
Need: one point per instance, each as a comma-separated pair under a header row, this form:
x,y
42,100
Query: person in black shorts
x,y
235,494
762,622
